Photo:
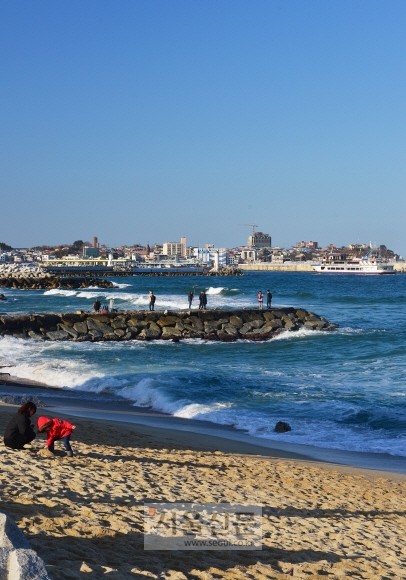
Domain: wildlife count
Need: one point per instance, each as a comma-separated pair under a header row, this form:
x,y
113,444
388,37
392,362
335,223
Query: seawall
x,y
224,325
269,267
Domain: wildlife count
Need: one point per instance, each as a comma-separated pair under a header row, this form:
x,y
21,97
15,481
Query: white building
x,y
212,255
249,254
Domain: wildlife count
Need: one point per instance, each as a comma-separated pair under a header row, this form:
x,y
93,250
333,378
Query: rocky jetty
x,y
223,325
47,282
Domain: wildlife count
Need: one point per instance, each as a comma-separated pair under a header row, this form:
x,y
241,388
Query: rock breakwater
x,y
47,282
223,325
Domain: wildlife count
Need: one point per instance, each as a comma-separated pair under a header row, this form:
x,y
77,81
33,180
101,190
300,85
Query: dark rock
x,y
282,427
35,335
58,335
93,324
168,321
80,327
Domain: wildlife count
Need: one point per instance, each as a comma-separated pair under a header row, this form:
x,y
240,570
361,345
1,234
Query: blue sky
x,y
145,120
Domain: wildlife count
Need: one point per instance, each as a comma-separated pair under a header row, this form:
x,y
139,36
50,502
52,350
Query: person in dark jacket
x,y
202,300
268,298
190,297
19,430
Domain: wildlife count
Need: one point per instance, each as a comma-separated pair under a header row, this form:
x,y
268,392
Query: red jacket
x,y
59,428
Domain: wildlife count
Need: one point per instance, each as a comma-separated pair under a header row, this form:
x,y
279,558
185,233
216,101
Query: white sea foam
x,y
197,410
301,333
59,292
215,291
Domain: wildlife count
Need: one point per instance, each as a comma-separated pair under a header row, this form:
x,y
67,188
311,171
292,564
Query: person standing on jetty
x,y
152,298
190,297
202,300
19,430
97,305
56,429
268,298
260,299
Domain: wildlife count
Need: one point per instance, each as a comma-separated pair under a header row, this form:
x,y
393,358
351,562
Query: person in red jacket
x,y
56,429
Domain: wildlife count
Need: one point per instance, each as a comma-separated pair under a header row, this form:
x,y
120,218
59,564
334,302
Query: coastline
x,y
206,435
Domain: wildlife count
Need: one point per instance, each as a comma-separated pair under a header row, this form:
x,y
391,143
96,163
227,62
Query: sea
x,y
344,389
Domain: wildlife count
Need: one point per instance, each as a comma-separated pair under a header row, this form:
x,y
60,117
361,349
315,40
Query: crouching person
x,y
56,429
19,430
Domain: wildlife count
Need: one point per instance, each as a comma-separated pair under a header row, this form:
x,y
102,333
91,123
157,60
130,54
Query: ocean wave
x,y
214,291
196,410
60,292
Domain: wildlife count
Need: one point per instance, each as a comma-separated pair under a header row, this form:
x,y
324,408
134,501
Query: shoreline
x,y
103,408
85,515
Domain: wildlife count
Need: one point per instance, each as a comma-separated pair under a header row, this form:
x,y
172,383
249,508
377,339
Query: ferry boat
x,y
370,264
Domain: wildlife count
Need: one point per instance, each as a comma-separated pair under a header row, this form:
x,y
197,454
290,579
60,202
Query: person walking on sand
x,y
19,430
202,300
260,299
268,298
152,298
190,297
56,429
97,305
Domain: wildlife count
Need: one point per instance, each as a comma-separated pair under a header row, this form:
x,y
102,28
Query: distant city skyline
x,y
145,121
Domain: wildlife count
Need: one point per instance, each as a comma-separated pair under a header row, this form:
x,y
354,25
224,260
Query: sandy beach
x,y
84,515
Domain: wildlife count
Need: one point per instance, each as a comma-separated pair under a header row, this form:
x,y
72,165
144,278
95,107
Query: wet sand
x,y
84,515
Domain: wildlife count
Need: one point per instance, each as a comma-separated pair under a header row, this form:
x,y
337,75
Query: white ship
x,y
370,264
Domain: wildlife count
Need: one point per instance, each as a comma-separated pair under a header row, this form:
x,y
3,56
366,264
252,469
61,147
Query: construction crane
x,y
253,226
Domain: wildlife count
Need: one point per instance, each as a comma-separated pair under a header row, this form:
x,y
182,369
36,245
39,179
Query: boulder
x,y
208,328
149,334
58,335
168,332
69,330
289,324
93,324
251,316
246,328
236,321
268,315
229,329
95,333
119,322
80,327
83,338
168,321
35,335
282,427
98,318
195,322
276,323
